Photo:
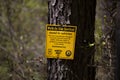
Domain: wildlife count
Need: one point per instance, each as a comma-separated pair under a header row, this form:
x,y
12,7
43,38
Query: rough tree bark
x,y
79,13
108,59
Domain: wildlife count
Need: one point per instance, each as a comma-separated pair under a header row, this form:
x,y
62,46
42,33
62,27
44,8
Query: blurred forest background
x,y
22,39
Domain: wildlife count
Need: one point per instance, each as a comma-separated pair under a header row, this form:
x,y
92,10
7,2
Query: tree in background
x,y
107,9
80,13
22,39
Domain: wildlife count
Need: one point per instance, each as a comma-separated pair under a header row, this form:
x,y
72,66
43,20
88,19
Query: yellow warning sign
x,y
60,41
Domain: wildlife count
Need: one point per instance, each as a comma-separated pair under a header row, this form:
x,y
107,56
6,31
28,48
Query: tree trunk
x,y
108,59
118,41
80,13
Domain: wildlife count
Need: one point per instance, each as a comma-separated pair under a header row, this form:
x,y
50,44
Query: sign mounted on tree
x,y
60,41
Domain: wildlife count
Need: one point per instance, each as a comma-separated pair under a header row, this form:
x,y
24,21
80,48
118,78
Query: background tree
x,y
21,43
80,13
106,12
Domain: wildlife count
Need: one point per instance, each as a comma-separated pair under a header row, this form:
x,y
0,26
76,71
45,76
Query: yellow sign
x,y
60,41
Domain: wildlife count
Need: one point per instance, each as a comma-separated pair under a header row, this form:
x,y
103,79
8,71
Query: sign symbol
x,y
58,51
49,51
68,53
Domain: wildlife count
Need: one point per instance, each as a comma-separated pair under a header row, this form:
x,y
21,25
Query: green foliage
x,y
22,35
4,73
